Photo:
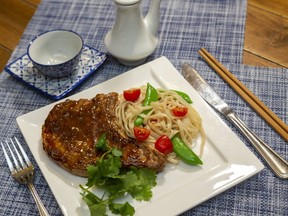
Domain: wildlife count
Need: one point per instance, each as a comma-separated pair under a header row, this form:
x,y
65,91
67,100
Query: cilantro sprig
x,y
117,181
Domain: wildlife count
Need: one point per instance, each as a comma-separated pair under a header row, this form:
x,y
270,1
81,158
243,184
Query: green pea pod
x,y
139,120
184,96
151,96
184,152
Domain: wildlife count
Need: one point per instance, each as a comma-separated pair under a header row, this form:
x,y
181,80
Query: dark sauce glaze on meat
x,y
72,128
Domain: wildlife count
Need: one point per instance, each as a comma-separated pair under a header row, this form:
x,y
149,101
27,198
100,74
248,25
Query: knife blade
x,y
277,164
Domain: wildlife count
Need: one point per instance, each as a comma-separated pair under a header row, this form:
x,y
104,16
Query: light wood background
x,y
266,34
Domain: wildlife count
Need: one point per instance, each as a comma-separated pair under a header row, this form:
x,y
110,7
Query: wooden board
x,y
14,17
266,34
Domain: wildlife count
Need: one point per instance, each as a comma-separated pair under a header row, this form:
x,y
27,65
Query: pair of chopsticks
x,y
271,118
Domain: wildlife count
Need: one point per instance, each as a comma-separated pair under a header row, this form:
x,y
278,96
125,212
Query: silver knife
x,y
274,161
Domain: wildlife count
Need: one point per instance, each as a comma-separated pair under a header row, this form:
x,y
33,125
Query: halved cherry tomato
x,y
141,133
131,94
179,111
164,145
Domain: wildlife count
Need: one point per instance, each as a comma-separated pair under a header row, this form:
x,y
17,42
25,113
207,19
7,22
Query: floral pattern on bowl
x,y
56,88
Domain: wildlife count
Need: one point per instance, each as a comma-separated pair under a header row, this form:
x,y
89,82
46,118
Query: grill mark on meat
x,y
72,128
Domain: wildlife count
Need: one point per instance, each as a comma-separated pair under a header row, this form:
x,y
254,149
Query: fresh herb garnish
x,y
117,181
102,143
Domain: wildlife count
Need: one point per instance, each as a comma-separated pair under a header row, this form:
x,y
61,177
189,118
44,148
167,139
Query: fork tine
x,y
9,162
13,156
23,152
18,154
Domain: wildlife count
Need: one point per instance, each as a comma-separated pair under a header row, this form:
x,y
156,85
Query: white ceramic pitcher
x,y
133,38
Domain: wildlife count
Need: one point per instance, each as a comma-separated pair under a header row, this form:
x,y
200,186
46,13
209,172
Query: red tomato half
x,y
164,145
179,111
141,133
131,94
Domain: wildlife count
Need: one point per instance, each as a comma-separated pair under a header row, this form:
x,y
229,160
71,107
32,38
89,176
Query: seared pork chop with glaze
x,y
72,128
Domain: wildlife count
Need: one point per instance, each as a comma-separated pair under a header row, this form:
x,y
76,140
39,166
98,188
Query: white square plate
x,y
227,161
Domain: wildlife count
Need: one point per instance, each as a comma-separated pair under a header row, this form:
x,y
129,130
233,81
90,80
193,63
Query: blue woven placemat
x,y
185,27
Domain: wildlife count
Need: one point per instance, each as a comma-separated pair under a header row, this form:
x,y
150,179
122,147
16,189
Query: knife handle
x,y
275,161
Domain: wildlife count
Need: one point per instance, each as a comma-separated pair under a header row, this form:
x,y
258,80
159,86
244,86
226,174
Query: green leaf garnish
x,y
117,181
122,209
102,143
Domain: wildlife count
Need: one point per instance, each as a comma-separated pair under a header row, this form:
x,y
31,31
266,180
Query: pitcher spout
x,y
153,16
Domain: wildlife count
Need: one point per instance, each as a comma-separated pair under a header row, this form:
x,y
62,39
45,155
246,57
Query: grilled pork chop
x,y
72,128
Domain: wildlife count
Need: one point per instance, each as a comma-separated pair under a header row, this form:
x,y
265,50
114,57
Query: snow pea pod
x,y
184,152
184,96
139,119
151,96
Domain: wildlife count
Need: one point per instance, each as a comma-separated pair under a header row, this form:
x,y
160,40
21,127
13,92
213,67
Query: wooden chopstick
x,y
270,117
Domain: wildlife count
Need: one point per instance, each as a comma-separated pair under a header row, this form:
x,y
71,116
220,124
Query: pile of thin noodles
x,y
160,120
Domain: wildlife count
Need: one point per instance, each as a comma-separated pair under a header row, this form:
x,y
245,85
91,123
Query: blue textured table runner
x,y
185,27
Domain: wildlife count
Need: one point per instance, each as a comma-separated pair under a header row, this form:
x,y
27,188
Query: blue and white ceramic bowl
x,y
56,53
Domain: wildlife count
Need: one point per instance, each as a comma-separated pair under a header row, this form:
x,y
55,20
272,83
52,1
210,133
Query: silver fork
x,y
24,171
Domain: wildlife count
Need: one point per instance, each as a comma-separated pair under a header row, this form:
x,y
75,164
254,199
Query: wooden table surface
x,y
266,34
